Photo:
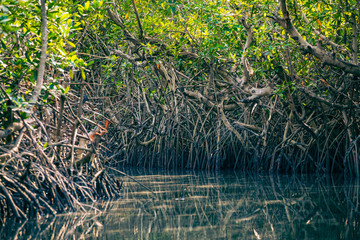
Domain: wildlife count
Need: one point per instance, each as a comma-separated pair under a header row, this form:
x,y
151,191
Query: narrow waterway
x,y
199,205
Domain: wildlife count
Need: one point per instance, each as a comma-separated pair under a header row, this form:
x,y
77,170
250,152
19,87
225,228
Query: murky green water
x,y
211,206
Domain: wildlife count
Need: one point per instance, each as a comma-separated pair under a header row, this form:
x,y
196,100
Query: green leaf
x,y
64,16
46,96
3,44
66,90
87,5
95,3
71,44
23,115
83,74
61,50
71,74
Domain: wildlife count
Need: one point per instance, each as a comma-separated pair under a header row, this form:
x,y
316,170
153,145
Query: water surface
x,y
199,205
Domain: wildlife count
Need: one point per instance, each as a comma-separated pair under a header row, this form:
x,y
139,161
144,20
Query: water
x,y
192,205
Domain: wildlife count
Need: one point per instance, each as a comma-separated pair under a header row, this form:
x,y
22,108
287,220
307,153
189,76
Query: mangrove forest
x,y
89,88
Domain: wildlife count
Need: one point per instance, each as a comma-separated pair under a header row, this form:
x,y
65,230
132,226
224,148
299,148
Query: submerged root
x,y
41,169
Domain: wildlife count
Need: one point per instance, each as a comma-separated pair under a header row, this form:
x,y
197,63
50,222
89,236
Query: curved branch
x,y
141,33
146,143
10,201
247,69
323,38
16,146
40,78
117,20
227,123
326,57
320,99
199,96
258,92
13,127
252,127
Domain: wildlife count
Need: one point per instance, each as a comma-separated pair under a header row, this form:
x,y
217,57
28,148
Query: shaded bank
x,y
49,160
43,175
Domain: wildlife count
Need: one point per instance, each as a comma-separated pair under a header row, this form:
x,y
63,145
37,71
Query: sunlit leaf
x,y
83,74
71,44
87,5
66,89
71,74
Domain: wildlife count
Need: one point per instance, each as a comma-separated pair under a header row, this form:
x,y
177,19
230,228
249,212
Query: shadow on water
x,y
192,205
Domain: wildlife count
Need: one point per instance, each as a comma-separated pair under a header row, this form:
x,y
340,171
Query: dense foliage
x,y
210,84
260,86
